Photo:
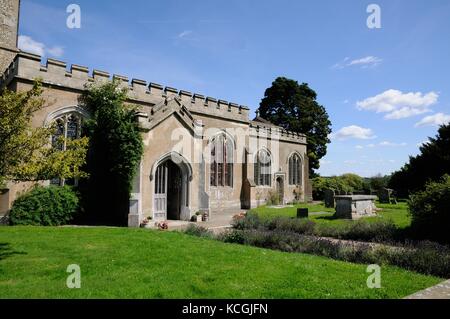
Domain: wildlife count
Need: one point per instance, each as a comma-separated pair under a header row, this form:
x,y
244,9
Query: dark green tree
x,y
115,151
294,107
430,165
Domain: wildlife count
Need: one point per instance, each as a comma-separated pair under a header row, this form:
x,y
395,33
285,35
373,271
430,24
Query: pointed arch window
x,y
263,168
295,170
221,170
67,127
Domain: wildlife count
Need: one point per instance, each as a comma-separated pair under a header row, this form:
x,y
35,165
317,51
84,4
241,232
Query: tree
x,y
25,152
430,165
294,107
379,182
430,210
353,181
115,151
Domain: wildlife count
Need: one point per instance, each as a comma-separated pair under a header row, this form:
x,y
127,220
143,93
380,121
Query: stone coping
x,y
356,197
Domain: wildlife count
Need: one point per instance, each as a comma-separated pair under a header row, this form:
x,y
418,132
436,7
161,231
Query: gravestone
x,y
302,212
328,198
384,195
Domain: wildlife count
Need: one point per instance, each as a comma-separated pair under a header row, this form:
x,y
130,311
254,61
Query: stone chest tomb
x,y
355,206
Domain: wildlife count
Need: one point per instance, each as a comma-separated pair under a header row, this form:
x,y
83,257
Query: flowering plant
x,y
162,225
239,216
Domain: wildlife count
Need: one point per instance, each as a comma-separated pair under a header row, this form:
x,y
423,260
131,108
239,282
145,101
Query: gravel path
x,y
440,291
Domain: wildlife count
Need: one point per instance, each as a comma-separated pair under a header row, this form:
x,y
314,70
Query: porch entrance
x,y
171,191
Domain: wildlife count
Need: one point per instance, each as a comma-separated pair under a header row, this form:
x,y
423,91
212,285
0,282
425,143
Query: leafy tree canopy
x,y
25,152
115,151
430,165
294,107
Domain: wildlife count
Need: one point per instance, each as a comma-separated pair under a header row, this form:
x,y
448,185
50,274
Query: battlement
x,y
55,73
28,66
275,132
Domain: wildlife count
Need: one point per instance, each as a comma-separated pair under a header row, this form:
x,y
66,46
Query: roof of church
x,y
262,120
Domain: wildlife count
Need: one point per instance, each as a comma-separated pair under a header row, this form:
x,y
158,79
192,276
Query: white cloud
x,y
365,62
324,162
351,162
387,143
353,131
56,51
384,143
184,34
398,105
28,44
434,120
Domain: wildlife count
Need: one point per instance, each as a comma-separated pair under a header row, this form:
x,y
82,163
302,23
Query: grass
x,y
398,213
136,263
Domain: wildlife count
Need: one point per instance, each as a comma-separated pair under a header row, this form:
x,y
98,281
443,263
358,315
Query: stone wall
x,y
9,20
165,110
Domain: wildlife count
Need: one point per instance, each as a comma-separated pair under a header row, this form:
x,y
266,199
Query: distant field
x,y
136,263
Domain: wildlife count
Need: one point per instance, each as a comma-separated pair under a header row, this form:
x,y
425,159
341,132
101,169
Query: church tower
x,y
9,25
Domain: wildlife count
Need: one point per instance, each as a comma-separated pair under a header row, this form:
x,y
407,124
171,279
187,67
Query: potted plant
x,y
198,217
146,223
205,217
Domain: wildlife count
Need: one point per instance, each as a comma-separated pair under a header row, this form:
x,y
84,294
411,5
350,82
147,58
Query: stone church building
x,y
201,153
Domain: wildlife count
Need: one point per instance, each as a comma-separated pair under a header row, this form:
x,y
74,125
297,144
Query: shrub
x,y
273,198
301,226
232,236
45,206
424,257
380,231
198,231
248,221
430,210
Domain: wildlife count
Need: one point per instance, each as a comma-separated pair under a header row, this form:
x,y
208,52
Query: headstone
x,y
328,198
302,212
384,195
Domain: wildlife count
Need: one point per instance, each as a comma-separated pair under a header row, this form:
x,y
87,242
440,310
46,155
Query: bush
x,y
301,226
273,199
423,257
198,231
248,221
45,206
430,210
380,231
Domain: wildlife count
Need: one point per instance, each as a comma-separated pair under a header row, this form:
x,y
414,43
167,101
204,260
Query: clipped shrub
x,y
45,206
430,210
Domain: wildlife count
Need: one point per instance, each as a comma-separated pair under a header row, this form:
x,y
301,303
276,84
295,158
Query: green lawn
x,y
398,213
136,263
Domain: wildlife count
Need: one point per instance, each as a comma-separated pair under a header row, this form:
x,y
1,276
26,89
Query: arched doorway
x,y
280,190
171,188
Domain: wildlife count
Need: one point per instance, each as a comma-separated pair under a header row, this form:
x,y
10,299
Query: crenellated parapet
x,y
55,73
275,132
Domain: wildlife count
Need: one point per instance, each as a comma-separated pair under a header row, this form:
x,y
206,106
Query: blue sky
x,y
385,89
